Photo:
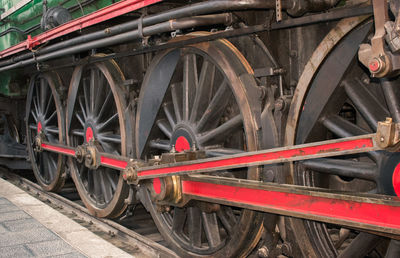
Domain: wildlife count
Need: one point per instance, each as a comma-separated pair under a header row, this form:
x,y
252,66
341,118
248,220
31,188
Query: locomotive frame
x,y
219,103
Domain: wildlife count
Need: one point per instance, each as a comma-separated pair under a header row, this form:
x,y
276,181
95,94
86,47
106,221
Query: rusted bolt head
x,y
263,252
279,104
129,174
79,154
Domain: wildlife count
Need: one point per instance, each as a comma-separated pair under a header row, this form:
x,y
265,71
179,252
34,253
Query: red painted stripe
x,y
245,160
58,149
368,213
101,15
119,164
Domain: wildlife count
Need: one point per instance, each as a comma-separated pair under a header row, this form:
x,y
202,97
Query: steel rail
x,y
145,245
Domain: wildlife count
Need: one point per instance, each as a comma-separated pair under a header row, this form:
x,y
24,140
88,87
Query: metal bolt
x,y
375,65
263,252
279,104
286,249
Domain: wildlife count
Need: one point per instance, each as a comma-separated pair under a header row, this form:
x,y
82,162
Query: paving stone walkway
x,y
31,228
23,236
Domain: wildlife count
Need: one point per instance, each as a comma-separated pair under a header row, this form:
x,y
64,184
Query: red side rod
x,y
329,148
377,213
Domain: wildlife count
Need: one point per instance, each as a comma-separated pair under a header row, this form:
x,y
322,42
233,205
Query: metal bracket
x,y
38,143
387,135
374,56
278,8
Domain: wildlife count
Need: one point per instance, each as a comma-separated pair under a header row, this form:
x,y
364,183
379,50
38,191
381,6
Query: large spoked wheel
x,y
45,114
342,101
97,113
195,97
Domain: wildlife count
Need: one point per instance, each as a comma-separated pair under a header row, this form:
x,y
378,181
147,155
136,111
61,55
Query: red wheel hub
x,y
182,144
157,185
396,180
39,127
89,134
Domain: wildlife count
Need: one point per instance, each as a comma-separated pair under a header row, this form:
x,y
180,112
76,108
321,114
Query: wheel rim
x,y
44,113
97,113
192,118
346,104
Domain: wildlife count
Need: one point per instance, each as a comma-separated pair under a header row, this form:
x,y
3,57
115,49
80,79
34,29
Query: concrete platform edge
x,y
71,232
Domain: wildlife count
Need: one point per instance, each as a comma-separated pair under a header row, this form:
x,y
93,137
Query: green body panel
x,y
28,18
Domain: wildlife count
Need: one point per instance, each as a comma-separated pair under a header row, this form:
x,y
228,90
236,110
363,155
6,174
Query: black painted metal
x,y
186,11
21,61
44,107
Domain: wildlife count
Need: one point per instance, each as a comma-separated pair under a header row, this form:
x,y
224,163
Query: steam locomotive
x,y
245,127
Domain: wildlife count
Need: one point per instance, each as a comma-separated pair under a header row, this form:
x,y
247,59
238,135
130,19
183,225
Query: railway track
x,y
135,235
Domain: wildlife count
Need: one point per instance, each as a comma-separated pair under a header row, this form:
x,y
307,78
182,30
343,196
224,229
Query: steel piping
x,y
167,26
186,11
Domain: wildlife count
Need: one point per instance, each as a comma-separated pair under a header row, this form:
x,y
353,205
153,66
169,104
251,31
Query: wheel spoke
x,y
216,106
43,93
82,108
112,178
210,225
204,88
194,226
112,138
35,104
222,152
52,130
341,127
221,132
98,94
37,100
360,246
168,113
228,219
190,83
347,168
176,102
78,132
33,127
392,92
51,100
80,119
178,220
393,250
164,127
363,100
97,186
105,104
108,122
105,187
109,148
86,93
52,116
160,144
93,80
34,116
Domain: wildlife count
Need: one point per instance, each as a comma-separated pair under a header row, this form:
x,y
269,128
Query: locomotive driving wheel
x,y
341,100
97,114
45,115
195,98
